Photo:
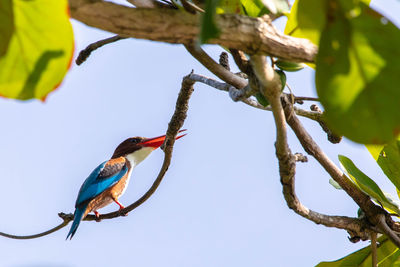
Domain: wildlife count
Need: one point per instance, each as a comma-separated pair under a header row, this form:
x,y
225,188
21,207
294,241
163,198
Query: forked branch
x,y
287,161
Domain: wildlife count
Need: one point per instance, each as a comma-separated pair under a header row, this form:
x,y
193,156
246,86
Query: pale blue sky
x,y
221,202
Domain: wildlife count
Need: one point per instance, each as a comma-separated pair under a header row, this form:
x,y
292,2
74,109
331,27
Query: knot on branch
x,y
287,165
300,157
224,60
66,216
332,137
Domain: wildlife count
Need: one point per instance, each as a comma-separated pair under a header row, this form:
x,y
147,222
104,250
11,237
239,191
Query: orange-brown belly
x,y
109,195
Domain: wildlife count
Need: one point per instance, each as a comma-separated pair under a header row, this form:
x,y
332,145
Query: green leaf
x,y
388,158
251,8
40,48
261,99
367,185
306,20
282,76
6,25
230,6
335,184
387,254
357,70
209,29
289,66
393,260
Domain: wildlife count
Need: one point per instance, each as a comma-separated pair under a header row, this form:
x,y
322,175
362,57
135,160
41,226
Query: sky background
x,y
220,203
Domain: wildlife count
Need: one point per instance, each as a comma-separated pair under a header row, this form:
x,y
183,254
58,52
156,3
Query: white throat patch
x,y
138,156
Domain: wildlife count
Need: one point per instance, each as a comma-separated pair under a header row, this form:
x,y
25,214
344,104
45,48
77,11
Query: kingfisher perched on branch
x,y
110,179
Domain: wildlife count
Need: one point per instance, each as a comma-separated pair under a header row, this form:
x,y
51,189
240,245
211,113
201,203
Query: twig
x,y
227,87
58,227
300,157
191,7
305,98
214,67
85,53
174,125
332,137
373,250
287,161
150,4
241,60
383,225
224,60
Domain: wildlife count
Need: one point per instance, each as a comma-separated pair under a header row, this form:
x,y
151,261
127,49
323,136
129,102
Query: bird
x,y
110,179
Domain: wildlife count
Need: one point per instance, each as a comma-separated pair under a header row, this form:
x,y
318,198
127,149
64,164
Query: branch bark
x,y
251,35
375,214
316,116
287,161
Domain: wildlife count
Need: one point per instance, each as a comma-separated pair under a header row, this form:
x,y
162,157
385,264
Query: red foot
x,y
121,207
97,216
119,204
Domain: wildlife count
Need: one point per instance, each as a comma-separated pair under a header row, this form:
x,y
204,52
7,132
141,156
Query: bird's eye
x,y
134,140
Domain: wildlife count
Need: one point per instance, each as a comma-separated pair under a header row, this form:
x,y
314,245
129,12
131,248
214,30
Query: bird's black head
x,y
128,146
133,144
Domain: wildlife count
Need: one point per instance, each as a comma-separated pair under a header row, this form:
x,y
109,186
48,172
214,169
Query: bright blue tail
x,y
78,216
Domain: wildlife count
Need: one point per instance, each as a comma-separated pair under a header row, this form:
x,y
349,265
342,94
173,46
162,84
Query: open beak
x,y
156,142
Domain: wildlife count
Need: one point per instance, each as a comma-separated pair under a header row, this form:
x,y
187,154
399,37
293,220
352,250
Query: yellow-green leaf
x,y
387,254
40,47
367,185
388,158
307,19
357,70
253,8
6,24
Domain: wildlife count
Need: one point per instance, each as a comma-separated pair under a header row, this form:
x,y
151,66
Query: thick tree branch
x,y
251,35
373,212
287,161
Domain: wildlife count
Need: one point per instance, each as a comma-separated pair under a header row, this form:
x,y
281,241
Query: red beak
x,y
156,142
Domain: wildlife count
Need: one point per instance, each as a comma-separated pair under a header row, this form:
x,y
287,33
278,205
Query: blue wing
x,y
103,177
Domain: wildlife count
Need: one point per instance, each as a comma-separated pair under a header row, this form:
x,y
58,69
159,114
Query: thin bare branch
x,y
305,98
241,60
174,125
383,225
227,88
214,67
85,53
255,35
149,4
58,227
224,61
332,137
373,250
